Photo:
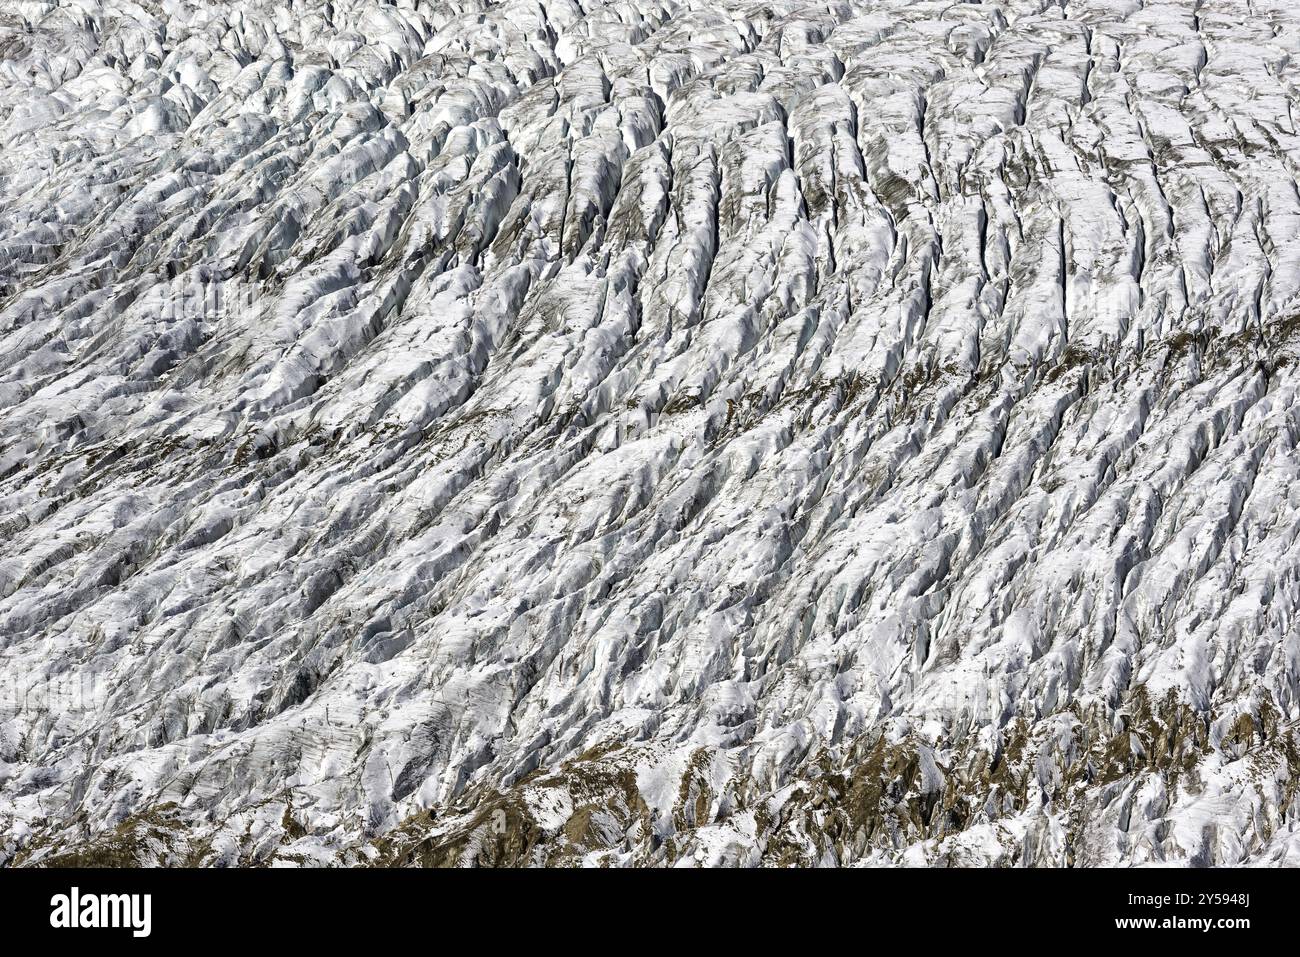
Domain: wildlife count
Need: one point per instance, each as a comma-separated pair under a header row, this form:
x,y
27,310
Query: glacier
x,y
649,432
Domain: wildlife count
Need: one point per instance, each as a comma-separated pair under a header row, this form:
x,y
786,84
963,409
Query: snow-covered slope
x,y
642,432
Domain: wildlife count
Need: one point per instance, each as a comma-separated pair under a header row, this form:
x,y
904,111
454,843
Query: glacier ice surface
x,y
649,432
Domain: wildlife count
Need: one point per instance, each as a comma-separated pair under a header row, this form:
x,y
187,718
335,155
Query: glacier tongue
x,y
650,433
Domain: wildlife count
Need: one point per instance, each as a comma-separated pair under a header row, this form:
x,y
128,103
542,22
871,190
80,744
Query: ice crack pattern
x,y
649,433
